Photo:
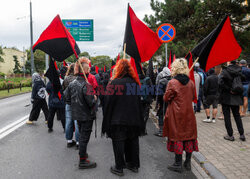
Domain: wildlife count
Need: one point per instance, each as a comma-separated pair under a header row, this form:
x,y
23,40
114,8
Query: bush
x,y
2,75
15,83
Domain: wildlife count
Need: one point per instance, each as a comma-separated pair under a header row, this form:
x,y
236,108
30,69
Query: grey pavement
x,y
14,108
30,152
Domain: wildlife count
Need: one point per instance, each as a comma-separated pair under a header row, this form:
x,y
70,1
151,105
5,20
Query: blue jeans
x,y
69,129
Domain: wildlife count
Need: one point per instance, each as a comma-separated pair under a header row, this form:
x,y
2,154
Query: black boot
x,y
116,171
177,166
187,163
85,164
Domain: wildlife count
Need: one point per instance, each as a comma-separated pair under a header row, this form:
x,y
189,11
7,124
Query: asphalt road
x,y
14,108
30,152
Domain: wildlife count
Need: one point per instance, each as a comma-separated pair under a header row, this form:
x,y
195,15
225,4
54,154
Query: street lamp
x,y
31,42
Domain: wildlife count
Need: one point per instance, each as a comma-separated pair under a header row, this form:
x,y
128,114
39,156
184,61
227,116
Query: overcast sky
x,y
109,21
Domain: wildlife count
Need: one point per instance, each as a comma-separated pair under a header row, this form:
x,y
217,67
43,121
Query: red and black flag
x,y
218,47
65,63
104,68
133,64
113,66
56,41
53,76
141,41
171,59
96,69
191,73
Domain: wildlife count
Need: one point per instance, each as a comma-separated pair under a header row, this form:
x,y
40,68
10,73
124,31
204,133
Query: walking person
x,y
245,83
82,107
123,119
70,124
38,99
163,78
231,97
211,95
180,123
56,106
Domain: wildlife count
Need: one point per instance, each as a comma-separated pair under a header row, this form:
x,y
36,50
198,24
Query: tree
x,y
1,53
195,19
39,61
17,67
72,58
101,60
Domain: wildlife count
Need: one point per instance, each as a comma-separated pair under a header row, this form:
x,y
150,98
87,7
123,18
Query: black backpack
x,y
237,86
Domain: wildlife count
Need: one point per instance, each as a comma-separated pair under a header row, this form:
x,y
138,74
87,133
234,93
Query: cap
x,y
244,62
197,64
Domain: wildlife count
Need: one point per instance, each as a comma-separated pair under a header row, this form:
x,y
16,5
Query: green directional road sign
x,y
80,29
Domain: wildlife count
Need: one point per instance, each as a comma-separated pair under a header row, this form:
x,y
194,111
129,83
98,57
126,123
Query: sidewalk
x,y
231,158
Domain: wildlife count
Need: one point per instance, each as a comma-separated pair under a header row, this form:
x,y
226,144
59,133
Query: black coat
x,y
80,95
122,109
211,86
38,90
54,100
225,86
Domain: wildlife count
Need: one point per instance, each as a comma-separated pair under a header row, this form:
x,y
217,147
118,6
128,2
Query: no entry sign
x,y
166,32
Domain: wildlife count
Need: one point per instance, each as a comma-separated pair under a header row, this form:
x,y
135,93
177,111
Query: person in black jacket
x,y
82,99
231,100
211,94
38,99
123,118
56,106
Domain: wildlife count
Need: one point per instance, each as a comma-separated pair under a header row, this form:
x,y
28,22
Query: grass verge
x,y
4,93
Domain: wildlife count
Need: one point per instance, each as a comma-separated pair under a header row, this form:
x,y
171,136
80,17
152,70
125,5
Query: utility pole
x,y
31,42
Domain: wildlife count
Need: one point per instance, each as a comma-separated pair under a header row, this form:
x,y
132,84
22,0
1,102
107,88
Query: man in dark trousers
x,y
231,99
81,96
211,94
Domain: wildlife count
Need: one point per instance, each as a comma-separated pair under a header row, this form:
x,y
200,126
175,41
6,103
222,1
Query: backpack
x,y
163,82
237,86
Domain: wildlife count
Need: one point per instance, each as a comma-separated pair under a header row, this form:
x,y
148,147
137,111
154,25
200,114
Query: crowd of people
x,y
125,100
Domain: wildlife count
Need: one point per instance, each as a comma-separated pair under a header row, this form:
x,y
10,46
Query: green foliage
x,y
101,60
2,75
17,67
1,53
39,60
72,58
14,83
195,19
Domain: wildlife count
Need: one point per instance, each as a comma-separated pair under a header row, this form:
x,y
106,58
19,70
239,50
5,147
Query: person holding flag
x,y
180,122
81,96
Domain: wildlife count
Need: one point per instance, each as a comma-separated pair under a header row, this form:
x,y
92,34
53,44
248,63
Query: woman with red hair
x,y
123,118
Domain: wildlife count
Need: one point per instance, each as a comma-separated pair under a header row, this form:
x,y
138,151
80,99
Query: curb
x,y
209,168
14,95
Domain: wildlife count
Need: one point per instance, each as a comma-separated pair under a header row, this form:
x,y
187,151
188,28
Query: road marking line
x,y
13,126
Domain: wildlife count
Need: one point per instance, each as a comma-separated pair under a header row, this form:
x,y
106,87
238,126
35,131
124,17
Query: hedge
x,y
14,83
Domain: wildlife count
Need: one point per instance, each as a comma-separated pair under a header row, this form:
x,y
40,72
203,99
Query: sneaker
x,y
213,120
230,138
130,167
176,168
242,137
71,144
50,130
207,120
116,171
29,122
86,164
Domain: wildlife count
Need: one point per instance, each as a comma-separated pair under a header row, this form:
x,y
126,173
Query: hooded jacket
x,y
38,87
180,122
225,86
164,73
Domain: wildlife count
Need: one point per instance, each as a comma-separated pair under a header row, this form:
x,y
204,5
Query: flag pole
x,y
83,71
194,63
124,51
